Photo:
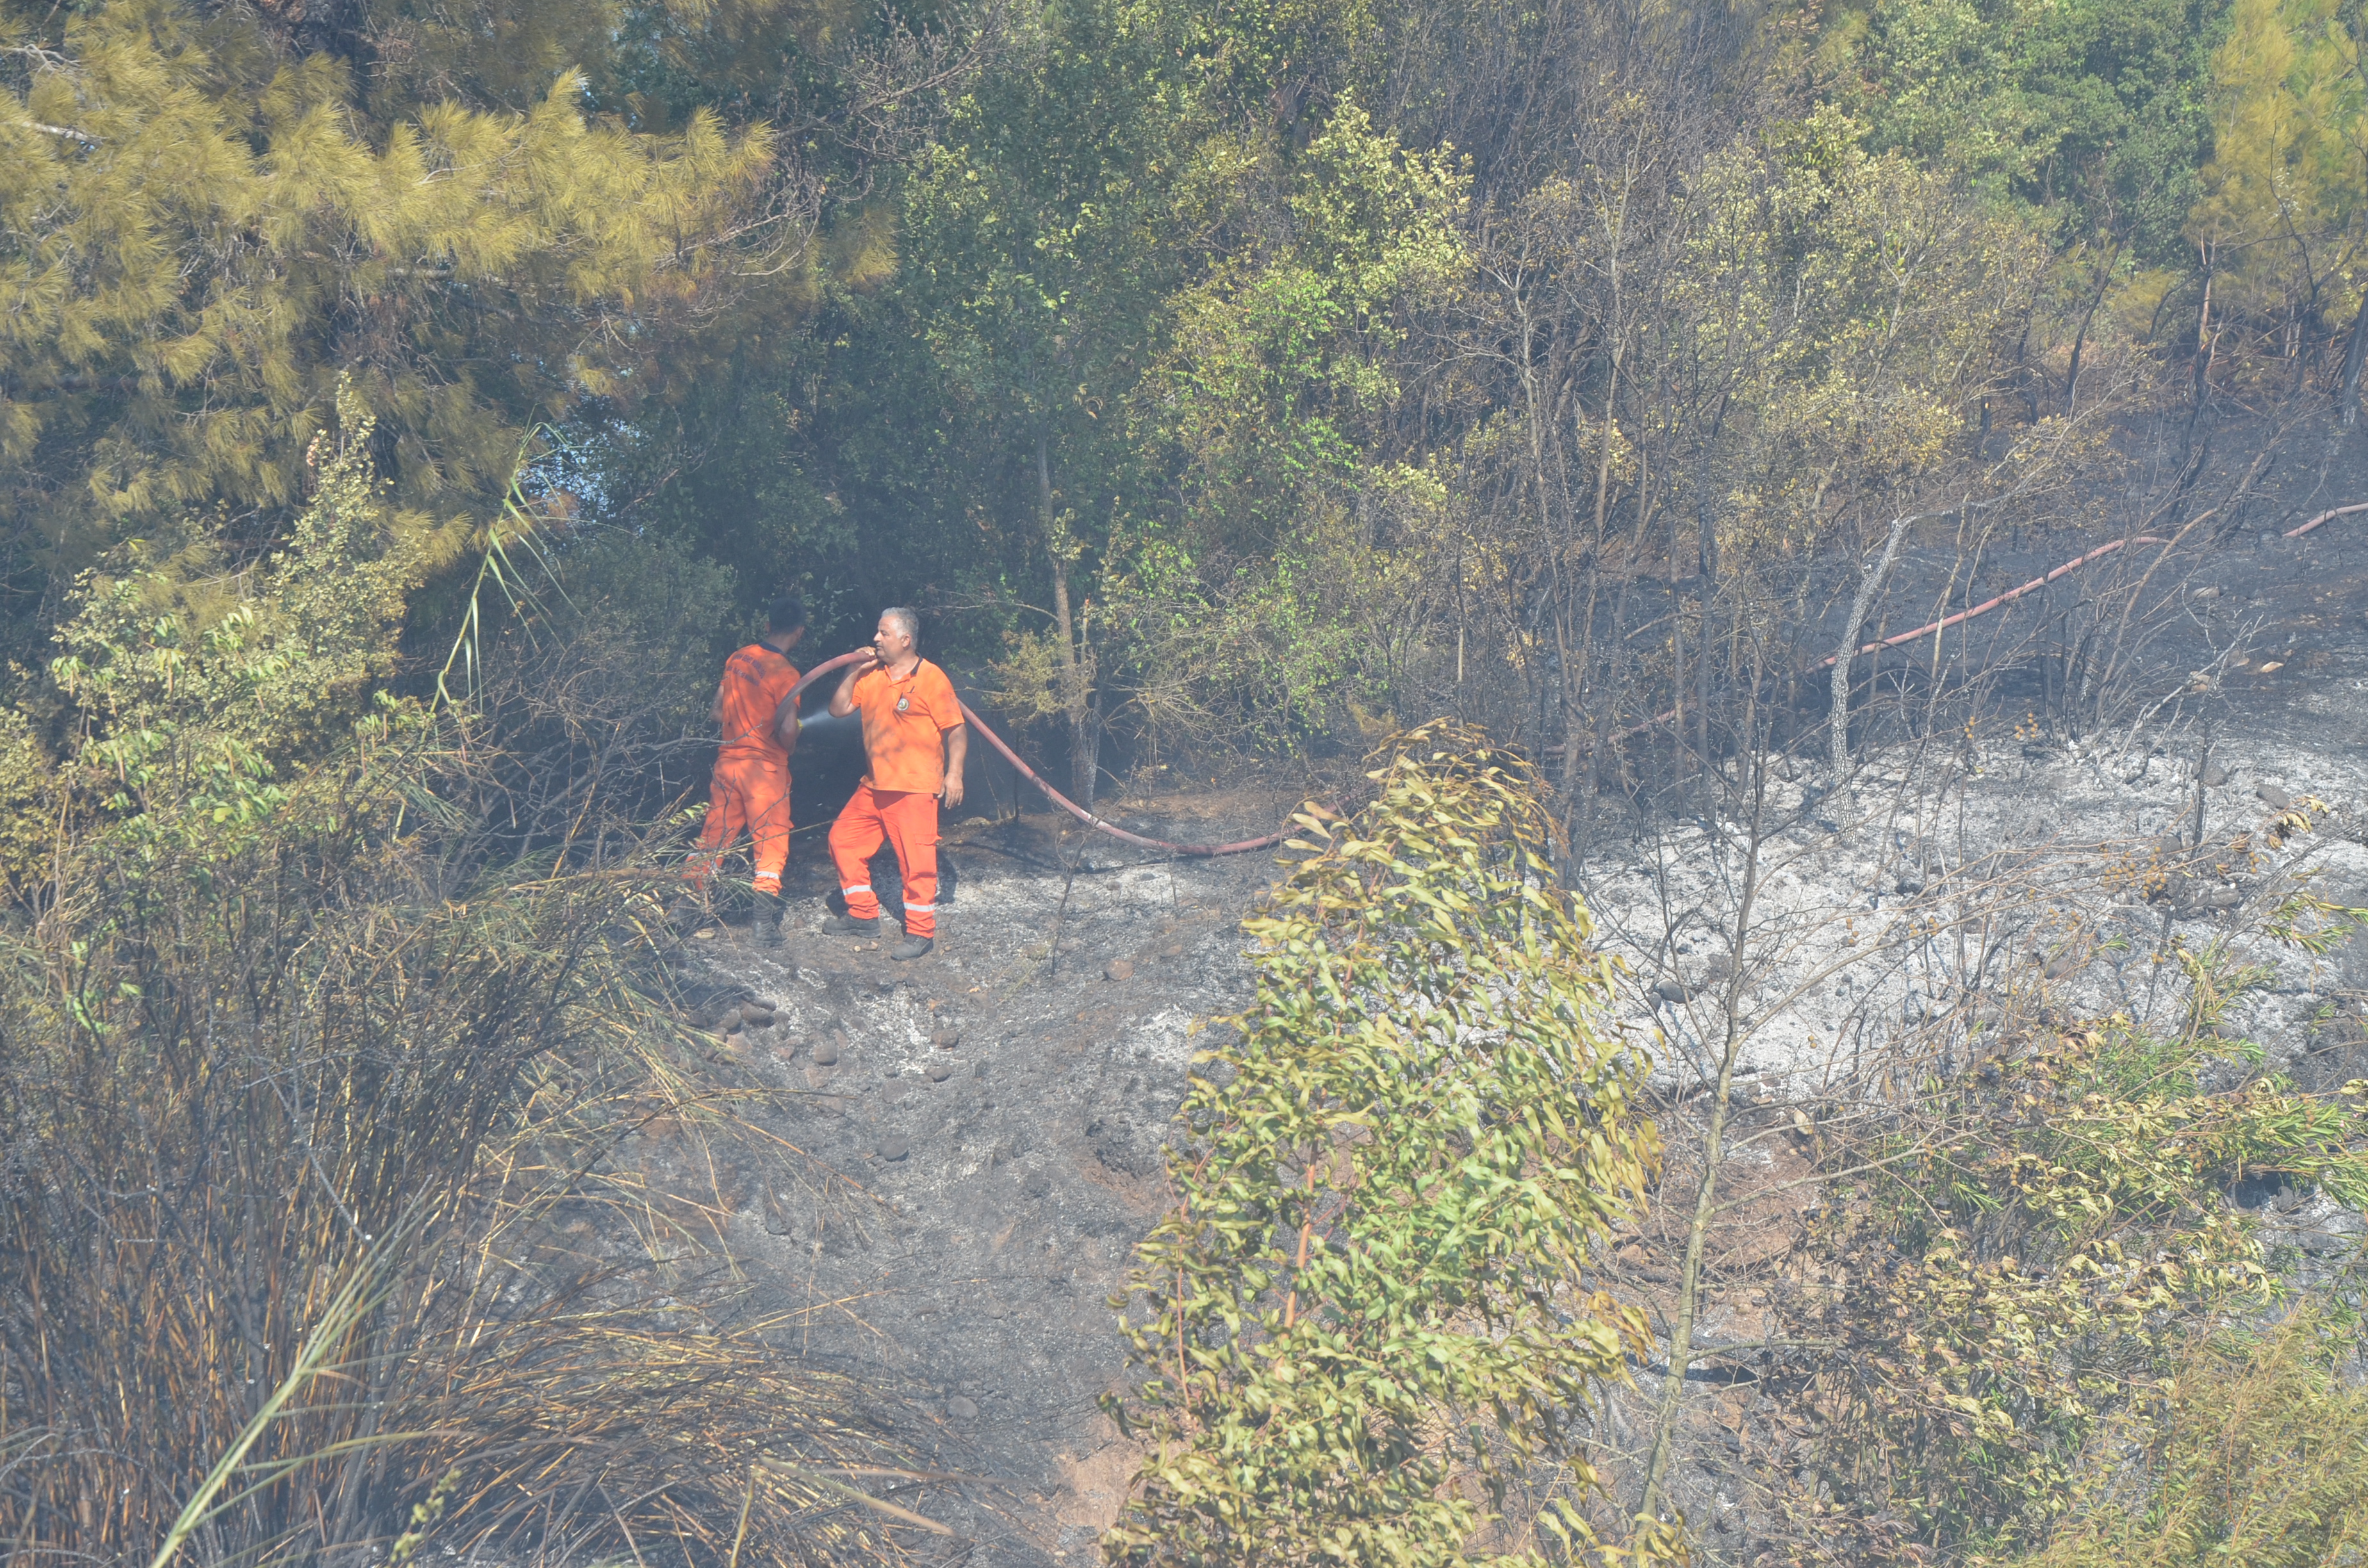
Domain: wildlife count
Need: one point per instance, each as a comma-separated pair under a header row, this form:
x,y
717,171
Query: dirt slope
x,y
994,1186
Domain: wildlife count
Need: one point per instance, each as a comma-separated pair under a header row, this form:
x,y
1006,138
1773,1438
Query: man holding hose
x,y
914,740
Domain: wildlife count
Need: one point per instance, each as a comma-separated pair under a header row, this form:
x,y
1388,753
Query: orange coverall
x,y
750,790
904,720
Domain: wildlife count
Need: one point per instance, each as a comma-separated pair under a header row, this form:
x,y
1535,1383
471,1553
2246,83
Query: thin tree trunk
x,y
1075,698
1603,709
2080,338
2355,358
1566,683
1677,652
1869,582
1708,543
2203,388
1607,709
1682,1330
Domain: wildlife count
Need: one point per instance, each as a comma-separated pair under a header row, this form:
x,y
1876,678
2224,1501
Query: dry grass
x,y
244,1066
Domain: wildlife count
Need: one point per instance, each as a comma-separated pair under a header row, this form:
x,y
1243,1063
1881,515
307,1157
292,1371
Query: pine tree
x,y
200,232
2284,211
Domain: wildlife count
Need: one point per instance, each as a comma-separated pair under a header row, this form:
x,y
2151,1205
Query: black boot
x,y
848,926
768,927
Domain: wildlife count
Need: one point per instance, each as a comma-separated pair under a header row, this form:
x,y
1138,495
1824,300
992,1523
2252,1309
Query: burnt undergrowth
x,y
343,1105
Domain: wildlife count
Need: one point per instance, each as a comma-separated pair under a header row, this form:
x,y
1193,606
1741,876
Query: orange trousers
x,y
750,793
908,820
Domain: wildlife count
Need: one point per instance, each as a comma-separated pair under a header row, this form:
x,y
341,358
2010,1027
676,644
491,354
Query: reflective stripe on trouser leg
x,y
910,820
854,838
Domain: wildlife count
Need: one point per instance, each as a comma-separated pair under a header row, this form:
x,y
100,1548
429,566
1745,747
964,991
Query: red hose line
x,y
811,675
1083,815
2323,517
1946,621
1091,820
1058,799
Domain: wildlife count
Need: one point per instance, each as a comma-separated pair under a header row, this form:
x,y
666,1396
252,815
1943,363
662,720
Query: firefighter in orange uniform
x,y
750,790
914,739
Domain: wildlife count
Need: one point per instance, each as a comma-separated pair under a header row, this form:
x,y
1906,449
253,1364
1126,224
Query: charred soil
x,y
975,1139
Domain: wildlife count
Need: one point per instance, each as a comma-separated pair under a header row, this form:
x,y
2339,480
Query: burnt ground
x,y
2255,665
985,1125
2260,670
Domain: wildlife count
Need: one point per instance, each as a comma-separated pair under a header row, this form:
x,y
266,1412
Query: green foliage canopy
x,y
198,236
2283,211
2094,112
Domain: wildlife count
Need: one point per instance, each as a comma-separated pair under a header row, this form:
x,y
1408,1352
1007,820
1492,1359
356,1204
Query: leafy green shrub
x,y
1370,1306
2255,1451
2034,1247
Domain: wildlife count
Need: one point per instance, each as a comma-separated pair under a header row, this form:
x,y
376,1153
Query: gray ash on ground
x,y
995,1115
995,1182
2281,719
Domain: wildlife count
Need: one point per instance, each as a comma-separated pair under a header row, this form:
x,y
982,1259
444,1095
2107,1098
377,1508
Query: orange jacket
x,y
903,721
755,680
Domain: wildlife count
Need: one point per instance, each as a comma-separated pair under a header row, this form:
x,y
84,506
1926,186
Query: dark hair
x,y
910,618
786,613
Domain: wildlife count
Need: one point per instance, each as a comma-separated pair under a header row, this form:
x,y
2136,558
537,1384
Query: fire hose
x,y
2008,598
1946,621
970,715
1271,839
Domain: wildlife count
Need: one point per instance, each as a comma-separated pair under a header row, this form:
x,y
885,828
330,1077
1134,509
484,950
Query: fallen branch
x,y
66,131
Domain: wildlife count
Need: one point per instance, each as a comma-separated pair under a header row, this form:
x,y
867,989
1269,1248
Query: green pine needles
x,y
1368,1322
